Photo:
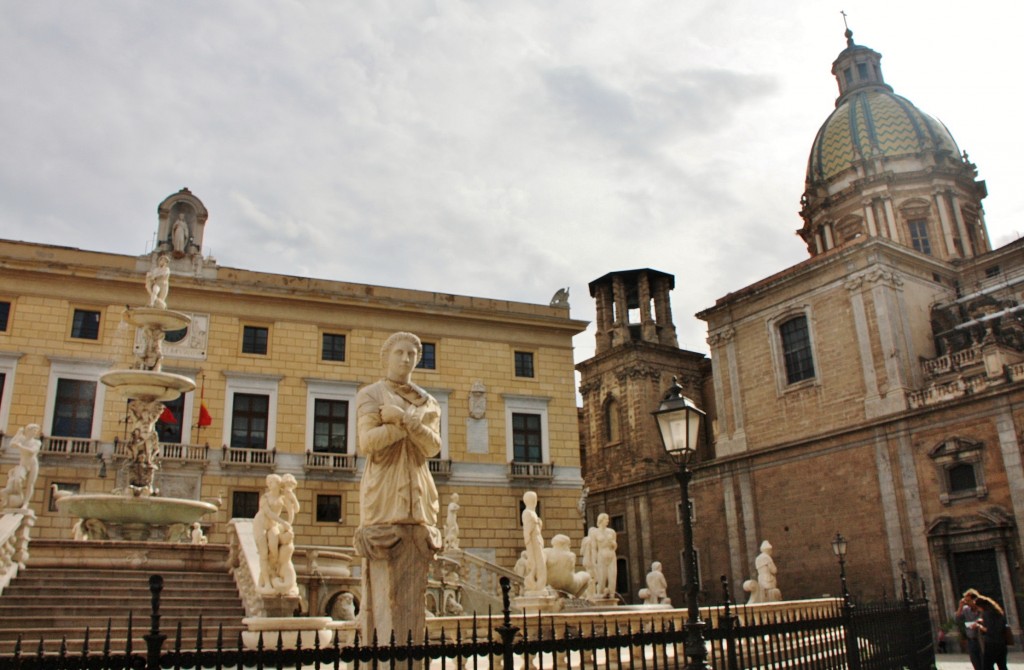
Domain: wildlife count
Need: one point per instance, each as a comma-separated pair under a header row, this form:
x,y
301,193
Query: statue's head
x,y
656,566
602,520
288,481
32,430
400,341
455,497
766,547
530,499
560,542
273,481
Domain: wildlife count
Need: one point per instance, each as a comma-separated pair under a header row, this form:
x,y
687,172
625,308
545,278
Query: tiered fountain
x,y
136,511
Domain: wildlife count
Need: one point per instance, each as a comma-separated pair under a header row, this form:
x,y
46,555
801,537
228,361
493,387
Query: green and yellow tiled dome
x,y
869,123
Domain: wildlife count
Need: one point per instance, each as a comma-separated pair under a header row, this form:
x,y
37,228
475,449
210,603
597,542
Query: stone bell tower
x,y
624,465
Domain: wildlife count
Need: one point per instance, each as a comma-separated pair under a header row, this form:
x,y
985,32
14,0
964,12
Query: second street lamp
x,y
679,426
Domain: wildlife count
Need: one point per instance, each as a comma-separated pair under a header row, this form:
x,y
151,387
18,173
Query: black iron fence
x,y
833,635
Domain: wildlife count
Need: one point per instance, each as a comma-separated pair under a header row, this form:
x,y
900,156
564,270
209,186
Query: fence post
x,y
506,629
852,652
155,639
728,622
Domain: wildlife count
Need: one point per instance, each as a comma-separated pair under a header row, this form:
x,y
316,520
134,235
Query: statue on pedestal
x,y
398,430
536,577
451,524
603,543
657,586
21,480
765,589
561,568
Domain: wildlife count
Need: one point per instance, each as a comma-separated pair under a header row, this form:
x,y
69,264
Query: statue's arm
x,y
424,427
373,434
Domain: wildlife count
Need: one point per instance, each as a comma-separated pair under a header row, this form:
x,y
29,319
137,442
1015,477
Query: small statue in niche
x,y
179,236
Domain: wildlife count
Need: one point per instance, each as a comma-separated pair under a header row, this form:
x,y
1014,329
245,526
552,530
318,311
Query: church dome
x,y
874,123
880,167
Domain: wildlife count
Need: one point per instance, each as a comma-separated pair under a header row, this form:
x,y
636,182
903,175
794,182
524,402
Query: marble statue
x,y
451,524
157,282
143,447
344,607
197,536
288,497
398,429
657,586
179,235
766,572
271,530
152,352
560,563
21,480
536,578
520,568
604,543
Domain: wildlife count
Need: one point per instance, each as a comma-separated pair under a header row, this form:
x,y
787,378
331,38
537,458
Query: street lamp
x,y
679,426
852,652
839,549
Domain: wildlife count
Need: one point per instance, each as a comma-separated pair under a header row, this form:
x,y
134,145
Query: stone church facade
x,y
873,389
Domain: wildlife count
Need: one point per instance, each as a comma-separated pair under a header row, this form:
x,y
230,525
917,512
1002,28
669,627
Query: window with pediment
x,y
959,467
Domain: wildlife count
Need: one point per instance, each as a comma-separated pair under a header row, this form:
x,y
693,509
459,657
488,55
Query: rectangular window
x,y
328,509
333,348
524,364
428,361
992,271
244,504
618,523
85,324
796,349
254,340
170,431
73,409
5,315
249,415
862,71
919,236
69,487
526,438
330,426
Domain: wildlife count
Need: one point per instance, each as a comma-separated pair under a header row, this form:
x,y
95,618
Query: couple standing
x,y
986,629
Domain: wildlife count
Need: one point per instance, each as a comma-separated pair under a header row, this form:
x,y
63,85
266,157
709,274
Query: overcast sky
x,y
500,148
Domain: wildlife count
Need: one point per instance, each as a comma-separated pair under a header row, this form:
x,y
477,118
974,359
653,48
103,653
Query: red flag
x,y
167,416
204,416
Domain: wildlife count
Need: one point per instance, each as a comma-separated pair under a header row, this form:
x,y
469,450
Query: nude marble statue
x,y
536,577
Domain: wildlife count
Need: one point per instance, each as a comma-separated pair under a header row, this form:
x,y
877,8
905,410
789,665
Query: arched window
x,y
612,433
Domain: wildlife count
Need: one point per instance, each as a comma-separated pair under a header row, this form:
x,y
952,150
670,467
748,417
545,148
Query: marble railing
x,y
15,526
935,394
244,563
235,456
440,467
951,362
170,451
481,575
524,470
330,462
69,446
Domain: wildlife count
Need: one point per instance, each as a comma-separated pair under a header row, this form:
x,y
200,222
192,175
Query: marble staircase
x,y
55,598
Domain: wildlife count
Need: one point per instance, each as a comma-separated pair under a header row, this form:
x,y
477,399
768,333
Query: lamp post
x,y
852,652
839,549
679,426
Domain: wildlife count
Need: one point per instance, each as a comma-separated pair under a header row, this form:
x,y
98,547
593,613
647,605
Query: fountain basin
x,y
154,317
117,517
148,384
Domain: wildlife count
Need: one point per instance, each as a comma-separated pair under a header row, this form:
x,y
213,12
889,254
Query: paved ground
x,y
961,662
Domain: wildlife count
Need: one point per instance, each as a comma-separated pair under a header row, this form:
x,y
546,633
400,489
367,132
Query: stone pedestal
x,y
396,561
532,603
281,606
288,629
603,602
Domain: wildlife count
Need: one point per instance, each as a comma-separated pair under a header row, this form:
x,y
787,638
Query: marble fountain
x,y
136,511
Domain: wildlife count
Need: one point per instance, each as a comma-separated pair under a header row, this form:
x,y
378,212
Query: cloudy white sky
x,y
502,148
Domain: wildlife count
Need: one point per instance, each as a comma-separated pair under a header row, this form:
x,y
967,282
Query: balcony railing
x,y
329,462
70,446
440,467
170,452
952,362
524,470
247,458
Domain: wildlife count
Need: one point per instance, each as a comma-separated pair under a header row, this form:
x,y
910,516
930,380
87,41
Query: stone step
x,y
15,615
74,640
